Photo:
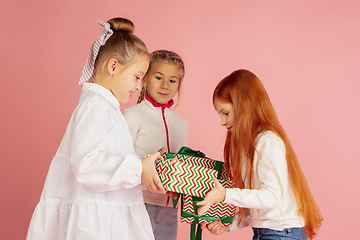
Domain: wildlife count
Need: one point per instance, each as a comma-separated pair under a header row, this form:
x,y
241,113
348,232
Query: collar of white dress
x,y
103,92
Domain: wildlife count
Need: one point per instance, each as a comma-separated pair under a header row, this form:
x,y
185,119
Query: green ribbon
x,y
190,152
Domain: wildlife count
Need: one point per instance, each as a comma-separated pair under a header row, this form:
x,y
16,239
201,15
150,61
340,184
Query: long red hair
x,y
254,113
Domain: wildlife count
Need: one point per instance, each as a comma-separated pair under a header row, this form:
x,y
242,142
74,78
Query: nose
x,y
223,121
165,85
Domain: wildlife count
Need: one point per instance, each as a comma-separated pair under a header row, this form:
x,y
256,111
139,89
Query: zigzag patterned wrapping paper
x,y
191,165
198,161
221,211
184,177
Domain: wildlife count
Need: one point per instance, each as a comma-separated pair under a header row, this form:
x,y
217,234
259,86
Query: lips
x,y
163,94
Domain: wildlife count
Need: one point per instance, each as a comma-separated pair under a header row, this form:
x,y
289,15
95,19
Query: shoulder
x,y
134,110
92,100
269,139
93,108
97,95
268,136
179,119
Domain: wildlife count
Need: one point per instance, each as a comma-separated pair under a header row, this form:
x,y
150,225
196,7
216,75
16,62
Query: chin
x,y
123,100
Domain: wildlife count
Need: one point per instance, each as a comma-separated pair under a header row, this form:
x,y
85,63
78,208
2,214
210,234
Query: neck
x,y
168,105
102,81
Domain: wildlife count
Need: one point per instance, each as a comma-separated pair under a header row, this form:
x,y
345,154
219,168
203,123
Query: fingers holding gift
x,y
149,175
217,228
216,195
159,188
161,150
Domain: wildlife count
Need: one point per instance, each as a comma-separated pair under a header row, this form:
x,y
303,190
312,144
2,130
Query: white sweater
x,y
271,202
148,130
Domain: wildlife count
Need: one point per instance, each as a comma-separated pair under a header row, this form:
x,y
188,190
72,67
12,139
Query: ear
x,y
111,66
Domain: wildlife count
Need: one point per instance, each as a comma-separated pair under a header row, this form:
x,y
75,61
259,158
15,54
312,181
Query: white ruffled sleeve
x,y
95,132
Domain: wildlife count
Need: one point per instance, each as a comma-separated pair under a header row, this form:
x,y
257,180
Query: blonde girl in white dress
x,y
93,187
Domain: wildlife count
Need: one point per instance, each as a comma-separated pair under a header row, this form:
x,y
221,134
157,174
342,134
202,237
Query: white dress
x,y
92,190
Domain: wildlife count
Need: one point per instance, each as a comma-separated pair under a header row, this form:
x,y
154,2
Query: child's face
x,y
126,81
162,82
226,112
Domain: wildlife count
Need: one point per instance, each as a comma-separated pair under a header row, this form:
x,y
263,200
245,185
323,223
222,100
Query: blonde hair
x,y
254,113
168,57
123,45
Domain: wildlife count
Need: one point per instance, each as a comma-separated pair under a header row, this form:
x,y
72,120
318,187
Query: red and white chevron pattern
x,y
203,162
184,177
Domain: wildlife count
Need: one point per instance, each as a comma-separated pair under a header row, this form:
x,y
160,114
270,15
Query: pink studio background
x,y
307,54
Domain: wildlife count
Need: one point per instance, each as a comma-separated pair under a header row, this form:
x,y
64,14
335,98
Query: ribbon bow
x,y
88,71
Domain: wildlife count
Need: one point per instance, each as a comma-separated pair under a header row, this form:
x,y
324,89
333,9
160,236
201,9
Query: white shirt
x,y
147,128
271,202
92,190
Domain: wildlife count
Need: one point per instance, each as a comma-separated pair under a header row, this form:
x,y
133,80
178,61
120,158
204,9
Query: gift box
x,y
185,177
191,174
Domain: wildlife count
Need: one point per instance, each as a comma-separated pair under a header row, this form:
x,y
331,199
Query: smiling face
x,y
162,82
226,112
125,81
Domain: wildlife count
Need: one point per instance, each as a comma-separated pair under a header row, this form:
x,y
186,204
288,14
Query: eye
x,y
173,81
225,113
158,78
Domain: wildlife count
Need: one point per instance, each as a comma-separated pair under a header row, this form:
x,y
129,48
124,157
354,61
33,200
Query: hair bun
x,y
121,25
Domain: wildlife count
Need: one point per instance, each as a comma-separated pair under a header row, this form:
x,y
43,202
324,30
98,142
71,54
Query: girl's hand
x,y
215,227
216,195
161,150
149,175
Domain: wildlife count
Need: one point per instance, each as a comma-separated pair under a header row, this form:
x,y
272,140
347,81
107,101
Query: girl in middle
x,y
153,125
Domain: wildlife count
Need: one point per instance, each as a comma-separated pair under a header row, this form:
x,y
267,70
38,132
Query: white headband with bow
x,y
88,71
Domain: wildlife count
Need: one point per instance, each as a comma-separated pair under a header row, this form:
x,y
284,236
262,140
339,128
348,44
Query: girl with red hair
x,y
269,186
